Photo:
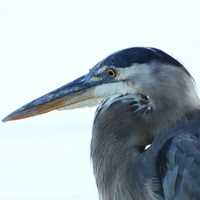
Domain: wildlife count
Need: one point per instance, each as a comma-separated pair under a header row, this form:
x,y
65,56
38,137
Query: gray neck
x,y
114,172
121,166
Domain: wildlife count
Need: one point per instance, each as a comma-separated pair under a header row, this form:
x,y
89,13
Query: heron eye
x,y
111,72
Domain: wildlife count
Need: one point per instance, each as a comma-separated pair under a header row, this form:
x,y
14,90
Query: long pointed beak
x,y
74,92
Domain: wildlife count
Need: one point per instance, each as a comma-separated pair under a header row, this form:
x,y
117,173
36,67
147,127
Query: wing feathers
x,y
178,163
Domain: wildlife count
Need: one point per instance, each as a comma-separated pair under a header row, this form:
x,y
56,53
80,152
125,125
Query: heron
x,y
145,97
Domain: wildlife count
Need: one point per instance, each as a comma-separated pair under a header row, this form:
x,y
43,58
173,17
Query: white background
x,y
46,43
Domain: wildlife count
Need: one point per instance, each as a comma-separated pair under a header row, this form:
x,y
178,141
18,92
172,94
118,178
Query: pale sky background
x,y
46,43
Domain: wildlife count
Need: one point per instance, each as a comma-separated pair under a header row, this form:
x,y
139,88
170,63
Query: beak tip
x,y
4,119
7,118
10,117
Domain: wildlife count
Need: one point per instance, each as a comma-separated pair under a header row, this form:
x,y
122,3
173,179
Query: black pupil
x,y
110,73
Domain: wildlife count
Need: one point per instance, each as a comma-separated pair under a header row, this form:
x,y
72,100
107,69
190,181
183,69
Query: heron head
x,y
145,71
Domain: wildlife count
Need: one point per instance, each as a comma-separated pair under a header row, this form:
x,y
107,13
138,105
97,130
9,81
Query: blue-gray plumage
x,y
169,169
148,98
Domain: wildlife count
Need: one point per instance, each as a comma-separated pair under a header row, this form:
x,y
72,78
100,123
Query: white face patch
x,y
124,73
110,89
